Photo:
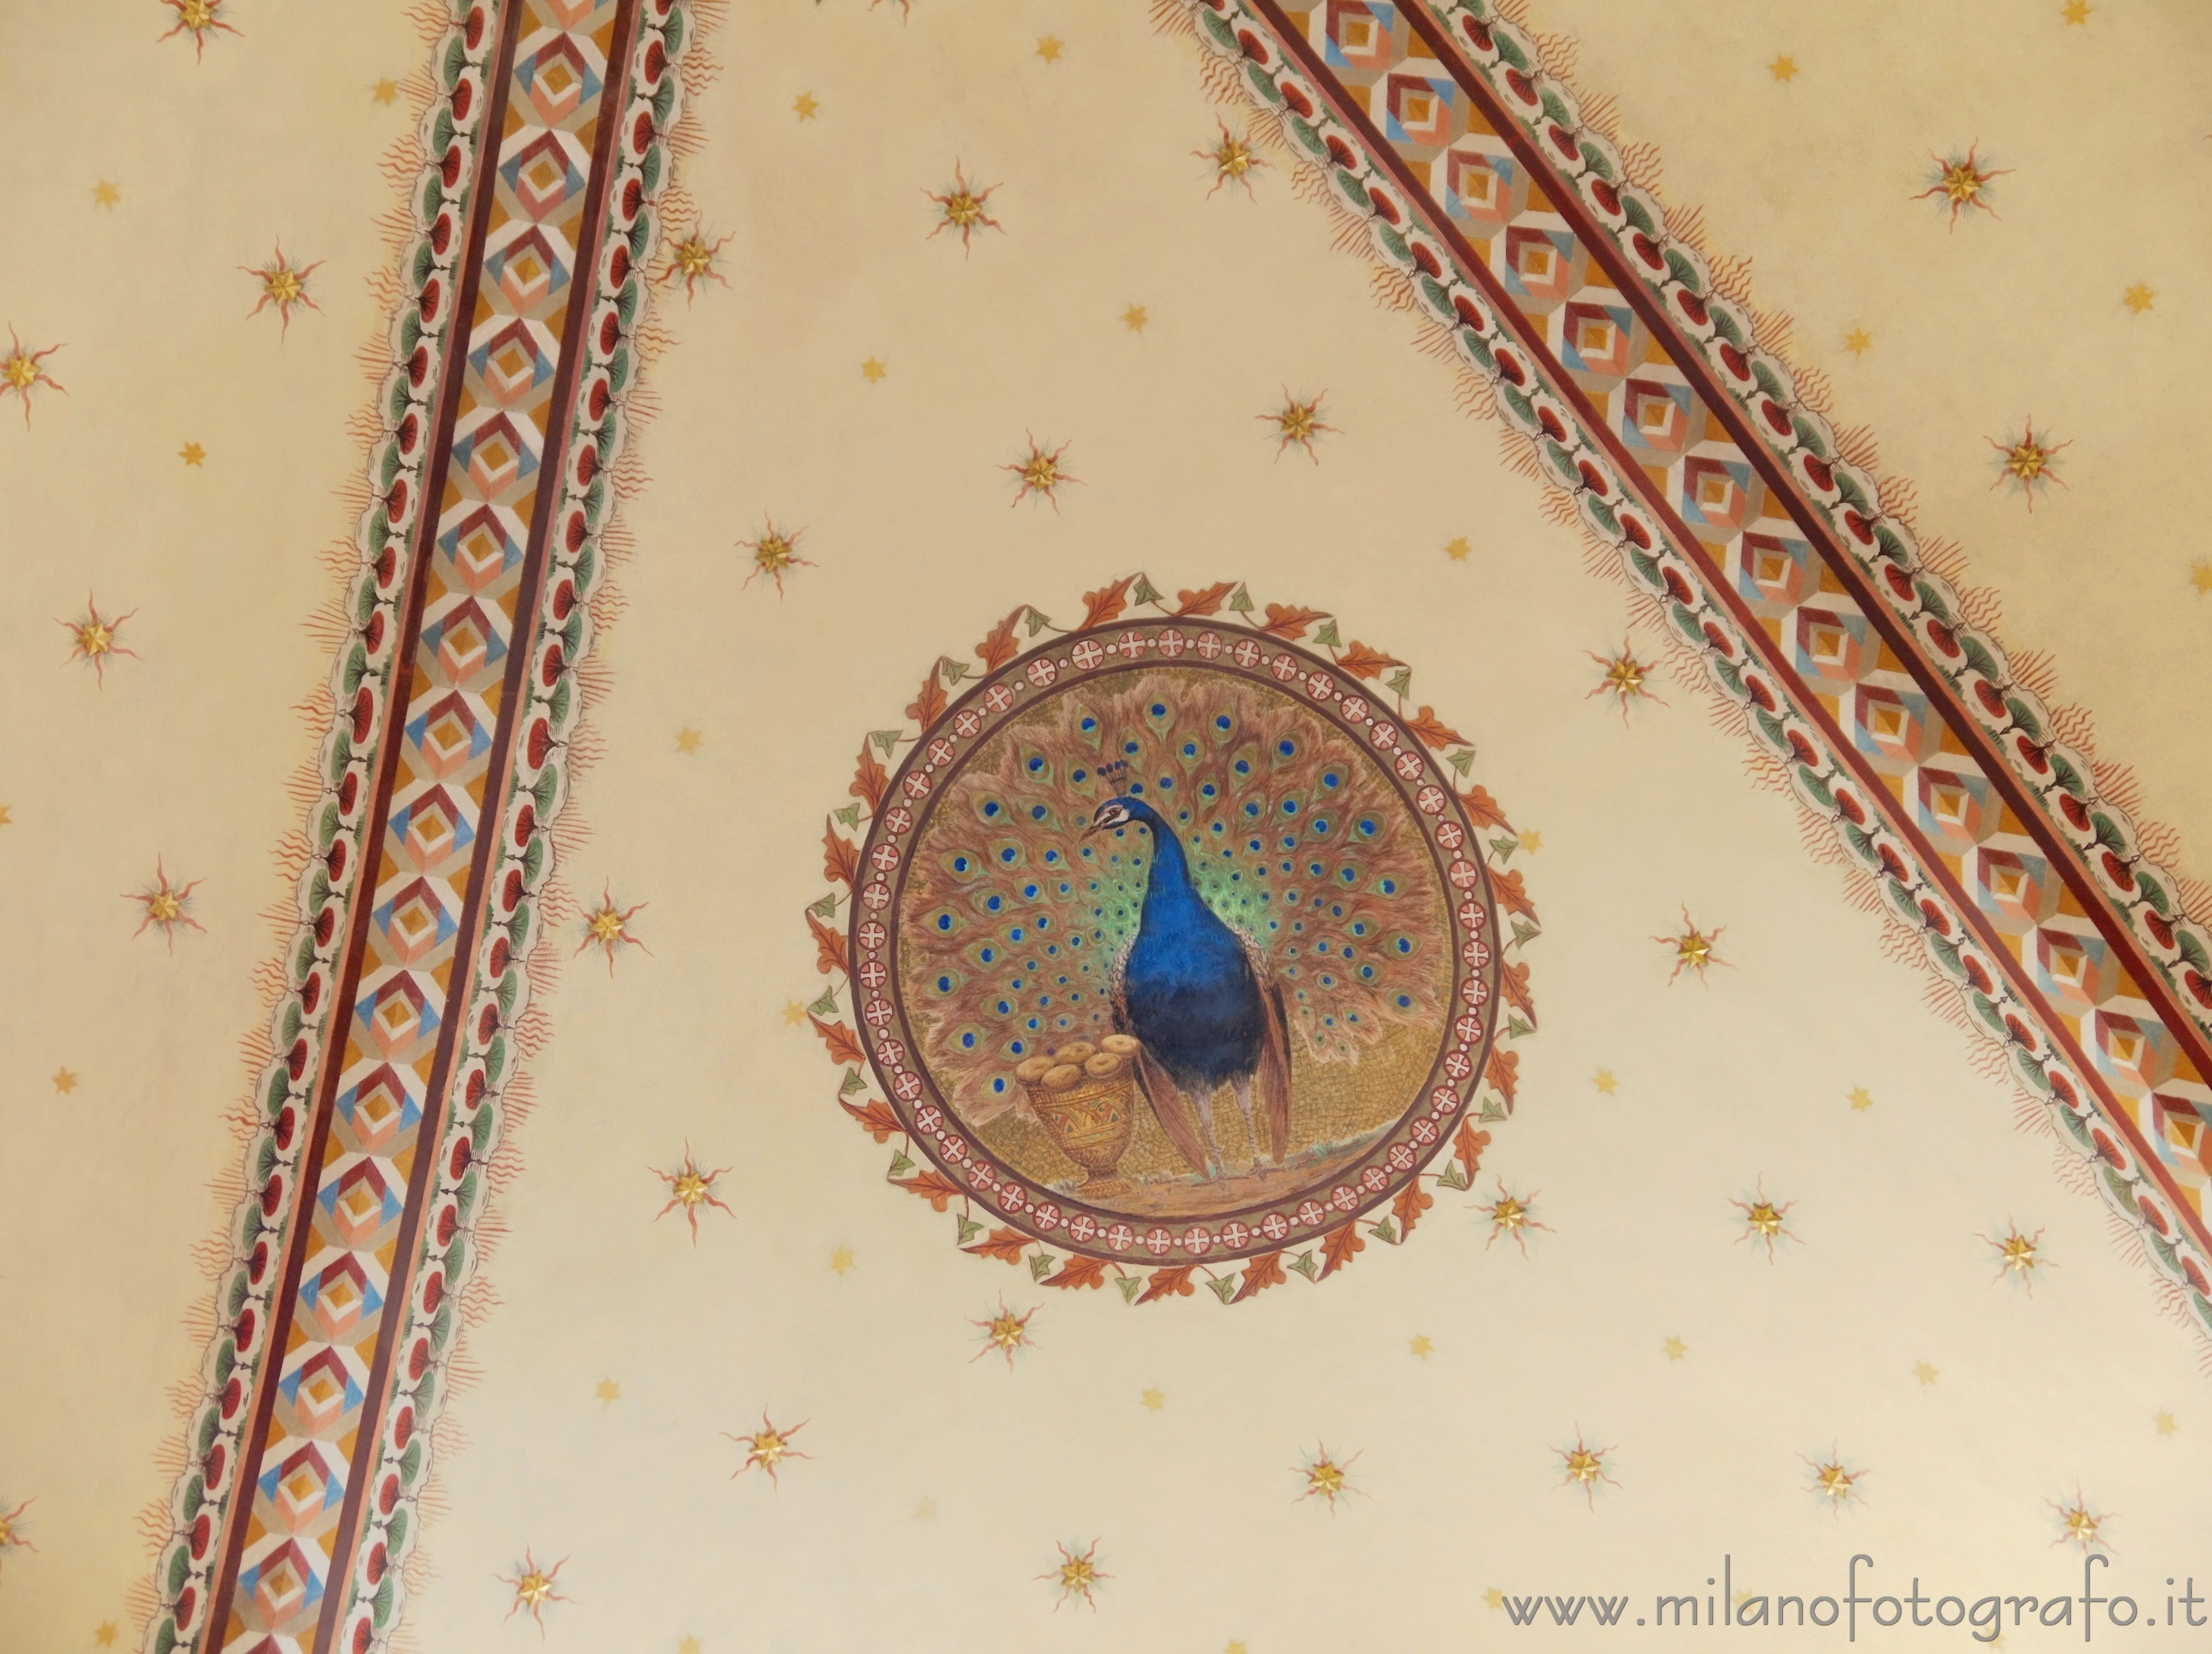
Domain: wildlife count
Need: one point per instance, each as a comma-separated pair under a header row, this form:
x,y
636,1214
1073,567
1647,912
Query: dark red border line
x,y
375,822
1347,110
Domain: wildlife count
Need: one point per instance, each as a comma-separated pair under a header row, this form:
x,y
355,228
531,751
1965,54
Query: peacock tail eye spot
x,y
1252,808
1036,765
1314,868
1366,975
1052,858
967,1041
1131,749
1321,824
1223,722
1080,777
997,1085
1136,790
1337,911
1090,726
1244,766
1403,946
1190,749
1010,856
1014,934
1405,1001
1066,888
945,923
945,984
1158,710
1004,1009
1349,875
991,808
1015,1048
1030,891
1389,887
961,863
1289,806
1038,813
990,956
1209,791
994,902
1331,779
1219,827
1035,1023
1368,826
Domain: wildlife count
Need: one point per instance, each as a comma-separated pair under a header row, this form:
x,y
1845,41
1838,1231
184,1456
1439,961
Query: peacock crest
x,y
1015,920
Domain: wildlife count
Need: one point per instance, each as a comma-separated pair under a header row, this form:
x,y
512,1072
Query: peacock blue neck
x,y
1170,876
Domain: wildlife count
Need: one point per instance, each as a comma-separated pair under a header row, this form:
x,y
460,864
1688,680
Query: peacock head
x,y
1120,813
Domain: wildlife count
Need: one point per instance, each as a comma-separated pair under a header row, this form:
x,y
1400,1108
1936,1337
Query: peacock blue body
x,y
1266,861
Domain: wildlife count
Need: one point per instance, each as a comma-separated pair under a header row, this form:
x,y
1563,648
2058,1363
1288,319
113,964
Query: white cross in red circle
x,y
1081,1226
941,751
875,895
873,973
878,1012
1171,643
1087,654
1468,1028
1118,1237
892,1051
1283,667
1430,800
1047,1217
1344,1197
1475,991
1373,1179
885,857
955,1150
1423,1132
1310,1212
1274,1226
1209,646
1409,765
1464,874
1129,646
1451,835
1234,1234
1472,916
1384,736
1475,951
873,936
998,697
1197,1242
929,1118
966,724
1445,1099
899,819
1457,1065
1157,1242
907,1086
1355,708
1320,686
1245,653
916,784
1042,671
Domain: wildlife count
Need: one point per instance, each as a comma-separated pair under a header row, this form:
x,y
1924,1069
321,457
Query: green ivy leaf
x,y
850,815
1462,761
954,671
1304,1264
1399,682
969,1227
825,909
1224,1287
1326,638
1130,1286
852,1083
1240,600
1144,594
900,1164
884,739
1038,621
826,1005
1039,1265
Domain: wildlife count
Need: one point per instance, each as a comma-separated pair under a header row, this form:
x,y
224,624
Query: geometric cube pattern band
x,y
512,358
1684,444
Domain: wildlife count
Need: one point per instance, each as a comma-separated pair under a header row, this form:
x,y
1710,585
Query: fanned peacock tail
x,y
1014,921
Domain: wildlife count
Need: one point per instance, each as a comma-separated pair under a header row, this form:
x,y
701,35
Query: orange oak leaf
x,y
1482,809
1106,603
1204,603
937,1191
1337,1248
1514,979
1503,1071
1467,1148
1511,896
840,861
843,1048
1363,662
829,946
878,1120
1164,1281
1004,1244
1437,734
1079,1272
926,708
1290,624
1260,1274
1412,1202
1000,647
869,779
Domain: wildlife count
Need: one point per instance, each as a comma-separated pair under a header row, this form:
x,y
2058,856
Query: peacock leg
x,y
1243,1086
1204,1097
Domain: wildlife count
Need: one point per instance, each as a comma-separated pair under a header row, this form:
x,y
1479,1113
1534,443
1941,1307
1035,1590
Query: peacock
x,y
1197,862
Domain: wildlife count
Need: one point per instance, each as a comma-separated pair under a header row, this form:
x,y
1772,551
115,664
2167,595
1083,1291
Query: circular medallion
x,y
1172,942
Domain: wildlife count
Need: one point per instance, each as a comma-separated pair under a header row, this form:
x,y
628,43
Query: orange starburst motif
x,y
1585,1468
1041,474
533,1589
200,19
96,639
1005,1332
1512,1216
692,259
284,284
2078,1524
1834,1481
961,208
767,1448
1764,1221
20,373
2019,1256
1297,422
689,1188
2026,462
166,907
1961,181
12,1537
1326,1477
1693,948
1076,1574
607,926
1626,679
1233,160
776,551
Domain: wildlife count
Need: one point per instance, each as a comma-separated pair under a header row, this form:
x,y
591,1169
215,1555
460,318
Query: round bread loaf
x,y
1122,1045
1104,1066
1076,1050
1060,1076
1034,1070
